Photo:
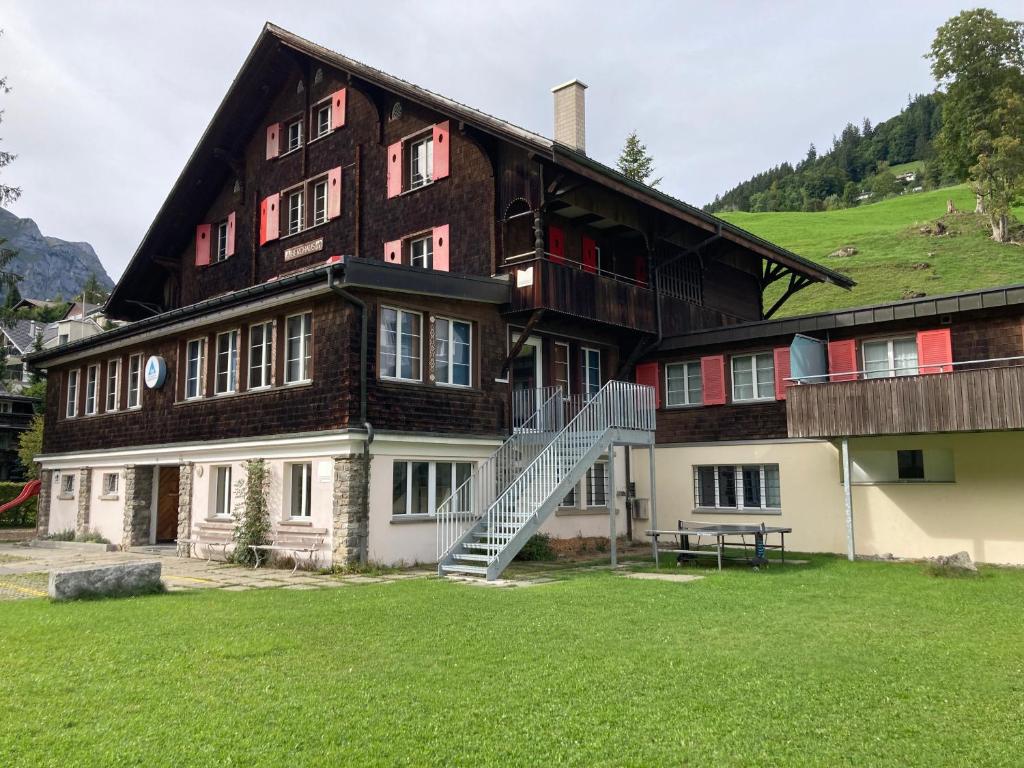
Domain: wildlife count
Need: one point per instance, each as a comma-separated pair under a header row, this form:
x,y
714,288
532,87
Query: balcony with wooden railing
x,y
976,396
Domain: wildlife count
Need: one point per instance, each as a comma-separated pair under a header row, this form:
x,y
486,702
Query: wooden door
x,y
167,505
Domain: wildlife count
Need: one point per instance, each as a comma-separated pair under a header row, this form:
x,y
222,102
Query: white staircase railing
x,y
468,502
618,405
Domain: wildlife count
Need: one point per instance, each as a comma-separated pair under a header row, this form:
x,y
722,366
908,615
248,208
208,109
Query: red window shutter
x,y
393,252
441,150
202,245
712,374
395,169
640,268
334,193
338,109
781,355
230,249
934,351
270,218
273,140
842,360
589,254
556,244
647,373
441,248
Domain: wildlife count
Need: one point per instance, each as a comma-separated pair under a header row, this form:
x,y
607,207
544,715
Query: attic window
x,y
294,135
396,110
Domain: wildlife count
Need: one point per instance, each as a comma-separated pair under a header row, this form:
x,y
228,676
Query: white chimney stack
x,y
571,115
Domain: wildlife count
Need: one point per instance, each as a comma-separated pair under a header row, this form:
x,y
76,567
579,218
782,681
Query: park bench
x,y
298,543
213,536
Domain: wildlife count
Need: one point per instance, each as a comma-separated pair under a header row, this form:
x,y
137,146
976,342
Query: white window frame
x,y
92,379
450,345
590,487
135,382
890,348
737,469
588,382
200,377
305,348
220,252
319,207
67,485
427,177
758,397
432,499
568,366
288,136
399,314
427,257
266,346
71,404
111,481
230,374
113,393
221,496
317,111
295,224
686,365
305,505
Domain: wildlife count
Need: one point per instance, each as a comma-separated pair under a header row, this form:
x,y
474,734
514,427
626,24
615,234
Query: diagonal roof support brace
x,y
796,283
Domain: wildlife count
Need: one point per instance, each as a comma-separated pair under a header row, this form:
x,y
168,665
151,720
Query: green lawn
x,y
826,664
893,258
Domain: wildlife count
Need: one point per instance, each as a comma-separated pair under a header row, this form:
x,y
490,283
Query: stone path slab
x,y
677,577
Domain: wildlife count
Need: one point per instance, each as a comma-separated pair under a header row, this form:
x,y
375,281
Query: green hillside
x,y
894,259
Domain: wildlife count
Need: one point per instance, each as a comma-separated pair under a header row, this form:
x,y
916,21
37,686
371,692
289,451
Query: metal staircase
x,y
489,518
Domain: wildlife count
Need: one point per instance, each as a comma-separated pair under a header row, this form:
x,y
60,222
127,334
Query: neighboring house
x,y
80,322
20,338
16,414
388,296
36,304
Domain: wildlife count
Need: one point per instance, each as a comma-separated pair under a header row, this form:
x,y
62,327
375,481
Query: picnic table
x,y
688,535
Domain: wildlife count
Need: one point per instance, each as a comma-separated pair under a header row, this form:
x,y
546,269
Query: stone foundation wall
x,y
84,499
185,478
43,502
138,500
351,524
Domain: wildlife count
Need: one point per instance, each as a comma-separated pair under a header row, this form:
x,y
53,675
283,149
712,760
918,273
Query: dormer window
x,y
421,162
294,136
322,120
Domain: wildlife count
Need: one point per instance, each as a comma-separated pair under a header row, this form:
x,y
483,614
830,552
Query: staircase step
x,y
481,545
467,570
472,558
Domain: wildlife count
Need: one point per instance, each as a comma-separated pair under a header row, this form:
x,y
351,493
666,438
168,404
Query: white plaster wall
x,y
63,512
581,521
106,514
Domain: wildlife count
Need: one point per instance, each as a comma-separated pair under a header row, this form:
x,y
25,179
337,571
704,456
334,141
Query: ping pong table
x,y
688,538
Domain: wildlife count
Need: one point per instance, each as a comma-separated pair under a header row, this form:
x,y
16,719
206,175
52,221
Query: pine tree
x,y
634,162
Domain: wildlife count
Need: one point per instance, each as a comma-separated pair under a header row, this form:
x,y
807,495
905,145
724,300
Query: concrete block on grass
x,y
120,580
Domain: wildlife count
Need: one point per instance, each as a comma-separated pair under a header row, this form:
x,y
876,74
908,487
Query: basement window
x,y
67,486
419,487
110,482
301,484
737,487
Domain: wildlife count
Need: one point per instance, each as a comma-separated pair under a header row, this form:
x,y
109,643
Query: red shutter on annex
x,y
712,374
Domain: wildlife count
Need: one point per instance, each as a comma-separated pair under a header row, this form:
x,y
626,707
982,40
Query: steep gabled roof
x,y
235,115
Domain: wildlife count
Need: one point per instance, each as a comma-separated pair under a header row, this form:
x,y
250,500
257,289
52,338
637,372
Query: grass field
x,y
893,258
829,663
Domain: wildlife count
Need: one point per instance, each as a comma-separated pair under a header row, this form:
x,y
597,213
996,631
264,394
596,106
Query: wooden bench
x,y
302,541
214,536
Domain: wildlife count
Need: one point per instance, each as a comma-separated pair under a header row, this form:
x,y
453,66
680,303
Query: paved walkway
x,y
24,572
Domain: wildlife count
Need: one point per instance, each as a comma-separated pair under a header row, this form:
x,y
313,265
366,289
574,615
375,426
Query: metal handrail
x,y
618,404
466,504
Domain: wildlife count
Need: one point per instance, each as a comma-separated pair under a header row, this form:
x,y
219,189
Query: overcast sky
x,y
111,97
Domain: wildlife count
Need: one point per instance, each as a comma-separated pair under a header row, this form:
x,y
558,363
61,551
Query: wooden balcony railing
x,y
963,401
574,291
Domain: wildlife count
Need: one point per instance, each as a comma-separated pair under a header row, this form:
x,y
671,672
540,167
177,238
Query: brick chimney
x,y
571,115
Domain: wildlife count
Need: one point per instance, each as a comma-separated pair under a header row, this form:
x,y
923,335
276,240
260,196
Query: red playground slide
x,y
31,489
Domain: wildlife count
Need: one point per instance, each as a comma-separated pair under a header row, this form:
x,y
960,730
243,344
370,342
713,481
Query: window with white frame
x,y
110,481
591,371
92,375
400,344
319,202
113,384
221,250
71,409
294,135
298,351
560,368
301,485
261,355
322,119
419,487
452,352
421,162
226,375
597,484
296,206
740,486
222,491
134,381
67,485
753,377
885,358
683,384
195,353
421,252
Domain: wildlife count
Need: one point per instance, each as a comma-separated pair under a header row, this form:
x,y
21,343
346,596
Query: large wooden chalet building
x,y
388,296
